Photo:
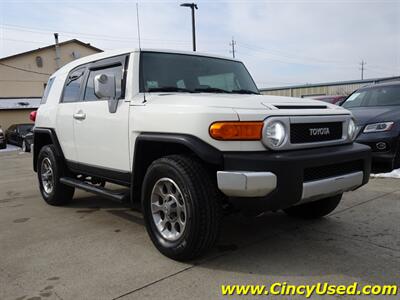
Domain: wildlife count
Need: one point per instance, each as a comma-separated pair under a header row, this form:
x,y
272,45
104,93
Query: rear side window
x,y
47,90
117,71
73,86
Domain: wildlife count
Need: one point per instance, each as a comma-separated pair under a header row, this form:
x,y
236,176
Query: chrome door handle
x,y
80,116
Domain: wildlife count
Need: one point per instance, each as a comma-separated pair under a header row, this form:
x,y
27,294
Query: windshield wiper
x,y
211,90
169,89
242,91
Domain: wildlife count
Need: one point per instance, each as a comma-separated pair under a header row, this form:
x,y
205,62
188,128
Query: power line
x,y
24,70
91,36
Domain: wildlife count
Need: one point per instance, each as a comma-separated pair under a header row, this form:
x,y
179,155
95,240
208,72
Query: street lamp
x,y
193,6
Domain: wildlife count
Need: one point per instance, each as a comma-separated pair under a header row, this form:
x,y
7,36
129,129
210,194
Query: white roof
x,y
19,103
111,53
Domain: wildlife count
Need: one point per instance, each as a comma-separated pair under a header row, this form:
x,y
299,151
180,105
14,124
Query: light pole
x,y
193,6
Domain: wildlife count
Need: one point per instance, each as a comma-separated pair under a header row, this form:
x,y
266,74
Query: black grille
x,y
315,132
327,171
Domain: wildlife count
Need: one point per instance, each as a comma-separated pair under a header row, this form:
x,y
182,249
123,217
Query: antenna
x,y
140,48
138,22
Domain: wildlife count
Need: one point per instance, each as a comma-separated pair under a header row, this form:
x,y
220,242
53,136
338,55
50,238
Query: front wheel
x,y
49,171
181,207
315,209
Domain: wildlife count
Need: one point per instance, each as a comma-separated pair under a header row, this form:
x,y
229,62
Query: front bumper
x,y
383,160
260,181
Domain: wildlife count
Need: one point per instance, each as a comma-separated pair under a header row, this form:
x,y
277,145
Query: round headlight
x,y
351,130
275,133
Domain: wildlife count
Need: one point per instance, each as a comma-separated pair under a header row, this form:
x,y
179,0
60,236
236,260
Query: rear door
x,y
101,137
65,115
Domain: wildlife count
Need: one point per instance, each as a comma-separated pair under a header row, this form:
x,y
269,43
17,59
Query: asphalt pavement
x,y
98,249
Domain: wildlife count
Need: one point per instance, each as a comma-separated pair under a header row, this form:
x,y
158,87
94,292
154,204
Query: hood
x,y
235,101
375,114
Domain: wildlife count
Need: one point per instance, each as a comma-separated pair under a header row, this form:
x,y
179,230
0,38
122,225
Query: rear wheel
x,y
315,209
181,207
49,172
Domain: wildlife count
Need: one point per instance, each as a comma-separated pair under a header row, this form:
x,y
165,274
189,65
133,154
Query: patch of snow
x,y
10,148
393,174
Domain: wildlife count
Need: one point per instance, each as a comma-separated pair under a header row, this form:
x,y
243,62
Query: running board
x,y
116,196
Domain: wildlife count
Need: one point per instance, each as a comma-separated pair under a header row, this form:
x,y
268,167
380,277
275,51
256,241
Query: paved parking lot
x,y
97,249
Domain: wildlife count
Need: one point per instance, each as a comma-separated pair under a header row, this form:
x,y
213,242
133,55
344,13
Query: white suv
x,y
190,136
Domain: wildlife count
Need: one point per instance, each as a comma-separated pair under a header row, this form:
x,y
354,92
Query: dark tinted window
x,y
192,73
116,71
47,90
73,85
24,128
377,96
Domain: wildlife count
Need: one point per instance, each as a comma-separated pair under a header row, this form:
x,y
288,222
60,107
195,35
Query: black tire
x,y
60,194
315,209
203,206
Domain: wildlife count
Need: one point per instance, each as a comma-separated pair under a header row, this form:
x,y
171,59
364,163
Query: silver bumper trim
x,y
246,184
319,189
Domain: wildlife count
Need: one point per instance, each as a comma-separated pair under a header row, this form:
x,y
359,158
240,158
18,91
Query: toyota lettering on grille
x,y
319,131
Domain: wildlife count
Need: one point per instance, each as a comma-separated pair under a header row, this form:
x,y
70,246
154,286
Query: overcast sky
x,y
281,42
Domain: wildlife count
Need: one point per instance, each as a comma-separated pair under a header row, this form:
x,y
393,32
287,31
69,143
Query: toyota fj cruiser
x,y
190,136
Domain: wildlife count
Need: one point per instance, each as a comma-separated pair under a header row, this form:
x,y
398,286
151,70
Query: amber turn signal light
x,y
236,131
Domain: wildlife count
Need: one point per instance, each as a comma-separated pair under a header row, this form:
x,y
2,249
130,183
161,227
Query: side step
x,y
98,190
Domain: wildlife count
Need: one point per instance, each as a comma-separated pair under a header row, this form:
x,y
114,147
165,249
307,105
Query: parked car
x,y
27,141
15,133
3,143
337,100
189,135
377,112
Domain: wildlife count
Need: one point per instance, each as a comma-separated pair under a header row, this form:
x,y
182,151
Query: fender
x,y
44,136
204,151
151,146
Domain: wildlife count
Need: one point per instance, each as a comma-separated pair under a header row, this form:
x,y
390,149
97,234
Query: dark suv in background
x,y
377,112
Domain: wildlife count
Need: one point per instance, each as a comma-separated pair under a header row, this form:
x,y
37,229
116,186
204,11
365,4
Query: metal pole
x,y
193,29
192,6
58,58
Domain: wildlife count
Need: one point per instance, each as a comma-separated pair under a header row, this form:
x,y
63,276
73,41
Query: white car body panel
x,y
95,135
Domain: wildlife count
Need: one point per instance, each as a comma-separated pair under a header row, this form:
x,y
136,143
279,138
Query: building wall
x,y
14,116
17,83
344,88
314,91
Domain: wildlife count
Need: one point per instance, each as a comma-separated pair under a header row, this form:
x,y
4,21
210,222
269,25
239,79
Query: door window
x,y
73,86
47,90
115,70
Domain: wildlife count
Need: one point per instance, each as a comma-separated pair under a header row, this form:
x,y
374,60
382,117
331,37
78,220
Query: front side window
x,y
47,90
375,96
166,72
116,71
73,86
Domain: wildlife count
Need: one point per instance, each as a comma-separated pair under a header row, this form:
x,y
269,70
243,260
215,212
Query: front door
x,y
101,137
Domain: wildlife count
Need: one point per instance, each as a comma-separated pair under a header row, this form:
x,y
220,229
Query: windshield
x,y
166,72
378,96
